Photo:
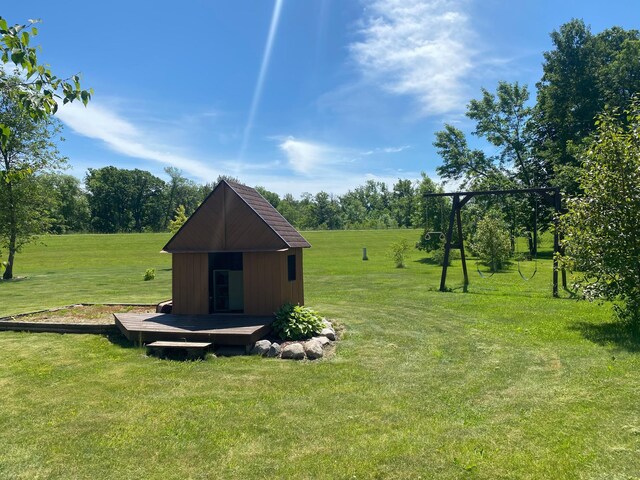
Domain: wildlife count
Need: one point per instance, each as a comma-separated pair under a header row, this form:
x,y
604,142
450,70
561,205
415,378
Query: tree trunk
x,y
13,233
8,272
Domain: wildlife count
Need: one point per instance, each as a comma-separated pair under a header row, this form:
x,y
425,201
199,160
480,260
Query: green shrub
x,y
400,252
492,242
297,322
438,255
178,220
149,274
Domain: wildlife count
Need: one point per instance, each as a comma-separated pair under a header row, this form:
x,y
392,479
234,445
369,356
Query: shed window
x,y
291,267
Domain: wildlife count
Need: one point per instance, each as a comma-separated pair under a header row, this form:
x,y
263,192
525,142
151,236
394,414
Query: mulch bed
x,y
81,314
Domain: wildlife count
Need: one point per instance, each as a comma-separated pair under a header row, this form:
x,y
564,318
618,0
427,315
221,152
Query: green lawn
x,y
500,382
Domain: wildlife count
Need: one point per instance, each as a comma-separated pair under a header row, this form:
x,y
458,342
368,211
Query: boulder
x,y
324,341
261,347
327,323
293,351
329,333
313,349
274,350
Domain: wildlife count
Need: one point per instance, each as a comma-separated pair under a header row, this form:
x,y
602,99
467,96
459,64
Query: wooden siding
x,y
266,283
190,283
205,229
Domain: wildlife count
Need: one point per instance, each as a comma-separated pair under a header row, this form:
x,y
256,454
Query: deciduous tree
x,y
503,119
28,100
601,226
582,74
29,149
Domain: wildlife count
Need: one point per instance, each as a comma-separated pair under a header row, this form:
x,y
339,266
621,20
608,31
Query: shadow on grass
x,y
427,261
13,280
177,354
615,334
545,255
118,339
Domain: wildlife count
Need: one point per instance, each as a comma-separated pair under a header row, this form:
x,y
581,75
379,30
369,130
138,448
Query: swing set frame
x,y
551,196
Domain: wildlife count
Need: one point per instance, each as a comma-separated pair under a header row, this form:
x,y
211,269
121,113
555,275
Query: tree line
x,y
116,200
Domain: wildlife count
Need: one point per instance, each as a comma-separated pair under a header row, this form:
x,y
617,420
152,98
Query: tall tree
x,y
503,119
179,191
403,202
29,149
326,212
601,227
271,197
34,94
581,74
69,210
124,200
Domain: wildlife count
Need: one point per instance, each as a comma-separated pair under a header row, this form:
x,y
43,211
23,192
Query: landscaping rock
x,y
274,350
324,341
313,349
327,323
329,333
261,347
293,351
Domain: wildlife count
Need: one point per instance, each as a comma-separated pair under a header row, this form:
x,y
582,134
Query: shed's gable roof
x,y
235,217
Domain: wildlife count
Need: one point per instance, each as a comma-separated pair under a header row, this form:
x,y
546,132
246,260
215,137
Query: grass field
x,y
500,382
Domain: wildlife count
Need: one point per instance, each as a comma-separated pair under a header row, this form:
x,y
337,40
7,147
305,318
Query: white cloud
x,y
308,157
122,136
387,150
420,48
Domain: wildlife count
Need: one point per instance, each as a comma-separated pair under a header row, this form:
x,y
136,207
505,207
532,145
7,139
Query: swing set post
x,y
460,199
447,244
461,246
556,245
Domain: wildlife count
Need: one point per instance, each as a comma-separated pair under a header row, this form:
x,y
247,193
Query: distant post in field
x,y
364,254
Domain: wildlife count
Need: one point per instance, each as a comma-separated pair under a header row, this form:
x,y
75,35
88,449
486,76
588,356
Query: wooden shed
x,y
236,254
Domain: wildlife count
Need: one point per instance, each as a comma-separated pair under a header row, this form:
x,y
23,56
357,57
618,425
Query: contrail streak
x,y
257,93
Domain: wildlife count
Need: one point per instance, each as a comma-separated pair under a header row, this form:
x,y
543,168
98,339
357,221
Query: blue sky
x,y
294,95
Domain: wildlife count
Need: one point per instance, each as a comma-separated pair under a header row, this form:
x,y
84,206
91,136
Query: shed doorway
x,y
226,284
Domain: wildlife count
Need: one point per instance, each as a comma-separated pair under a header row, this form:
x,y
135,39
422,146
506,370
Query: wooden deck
x,y
218,329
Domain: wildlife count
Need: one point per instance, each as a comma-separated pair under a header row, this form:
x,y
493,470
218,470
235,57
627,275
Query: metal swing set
x,y
551,196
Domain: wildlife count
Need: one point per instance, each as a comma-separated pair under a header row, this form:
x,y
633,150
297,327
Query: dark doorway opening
x,y
226,285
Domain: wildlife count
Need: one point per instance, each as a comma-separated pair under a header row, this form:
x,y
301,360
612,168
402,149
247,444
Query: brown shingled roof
x,y
235,217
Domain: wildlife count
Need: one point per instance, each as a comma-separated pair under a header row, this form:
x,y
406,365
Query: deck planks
x,y
217,329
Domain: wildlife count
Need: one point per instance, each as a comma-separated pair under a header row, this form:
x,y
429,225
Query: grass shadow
x,y
545,255
616,334
427,261
13,280
119,340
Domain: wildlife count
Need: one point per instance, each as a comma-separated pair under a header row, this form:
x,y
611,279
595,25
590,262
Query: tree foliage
x,y
492,241
179,219
39,91
28,100
125,200
601,228
503,120
67,203
30,149
399,252
581,75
